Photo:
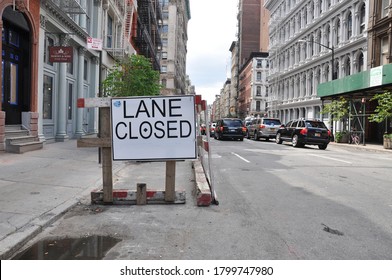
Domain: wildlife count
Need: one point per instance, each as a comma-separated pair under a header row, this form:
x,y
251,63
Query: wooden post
x,y
103,142
170,193
141,194
107,176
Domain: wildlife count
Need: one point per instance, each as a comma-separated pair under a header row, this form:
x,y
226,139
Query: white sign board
x,y
375,76
153,128
94,43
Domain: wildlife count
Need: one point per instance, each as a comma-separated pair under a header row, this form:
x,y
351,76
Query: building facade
x,y
174,30
253,83
40,92
312,42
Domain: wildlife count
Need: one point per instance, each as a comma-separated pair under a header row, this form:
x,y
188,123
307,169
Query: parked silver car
x,y
263,128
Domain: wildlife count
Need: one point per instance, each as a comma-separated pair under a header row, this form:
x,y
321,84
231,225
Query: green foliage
x,y
339,136
388,136
337,108
132,76
384,107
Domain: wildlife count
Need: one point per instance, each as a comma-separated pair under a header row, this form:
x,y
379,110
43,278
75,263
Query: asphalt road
x,y
275,202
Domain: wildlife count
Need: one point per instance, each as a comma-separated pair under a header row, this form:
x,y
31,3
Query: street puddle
x,y
85,248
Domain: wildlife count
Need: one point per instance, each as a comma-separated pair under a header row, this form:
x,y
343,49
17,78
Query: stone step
x,y
20,139
21,148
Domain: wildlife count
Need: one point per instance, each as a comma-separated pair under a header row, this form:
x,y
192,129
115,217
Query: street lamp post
x,y
332,54
332,67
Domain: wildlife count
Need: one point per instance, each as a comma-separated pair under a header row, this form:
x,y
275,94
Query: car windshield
x,y
315,124
233,123
272,122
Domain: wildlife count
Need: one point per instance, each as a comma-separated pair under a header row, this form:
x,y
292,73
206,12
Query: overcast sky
x,y
211,30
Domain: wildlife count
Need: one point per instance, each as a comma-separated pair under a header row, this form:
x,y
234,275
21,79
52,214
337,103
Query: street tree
x,y
132,76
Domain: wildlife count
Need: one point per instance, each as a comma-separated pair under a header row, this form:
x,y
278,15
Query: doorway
x,y
15,95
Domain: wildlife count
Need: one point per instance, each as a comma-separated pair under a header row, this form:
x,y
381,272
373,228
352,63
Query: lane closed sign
x,y
153,128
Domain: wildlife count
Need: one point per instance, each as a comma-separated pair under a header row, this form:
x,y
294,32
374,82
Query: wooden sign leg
x,y
170,191
107,177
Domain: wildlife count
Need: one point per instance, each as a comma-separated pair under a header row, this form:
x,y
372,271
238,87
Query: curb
x,y
203,191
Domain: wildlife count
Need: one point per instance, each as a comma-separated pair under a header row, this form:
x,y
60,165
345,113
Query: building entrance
x,y
15,96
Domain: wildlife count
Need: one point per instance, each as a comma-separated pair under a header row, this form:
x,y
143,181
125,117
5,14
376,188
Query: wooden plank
x,y
107,176
170,181
94,142
94,102
141,194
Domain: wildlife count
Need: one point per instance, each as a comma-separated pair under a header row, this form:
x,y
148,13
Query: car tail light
x,y
221,128
243,129
329,133
304,131
261,126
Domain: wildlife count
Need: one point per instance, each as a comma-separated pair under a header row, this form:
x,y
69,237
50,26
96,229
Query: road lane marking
x,y
241,157
349,162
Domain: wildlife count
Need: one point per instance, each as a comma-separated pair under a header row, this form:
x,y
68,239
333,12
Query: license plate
x,y
232,130
272,129
317,134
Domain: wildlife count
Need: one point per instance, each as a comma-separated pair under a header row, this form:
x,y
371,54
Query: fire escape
x,y
148,39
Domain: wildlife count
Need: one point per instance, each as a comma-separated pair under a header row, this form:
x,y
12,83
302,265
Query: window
x,y
258,63
85,70
70,101
164,82
384,8
384,51
163,69
47,97
360,63
70,68
258,76
338,29
362,19
165,28
258,106
164,55
49,42
109,33
258,91
347,67
349,26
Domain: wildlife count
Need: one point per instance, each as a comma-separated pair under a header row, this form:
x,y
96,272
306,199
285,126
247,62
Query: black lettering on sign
x,y
183,126
159,126
172,107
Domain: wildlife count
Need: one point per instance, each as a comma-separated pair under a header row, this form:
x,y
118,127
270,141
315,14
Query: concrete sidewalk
x,y
38,186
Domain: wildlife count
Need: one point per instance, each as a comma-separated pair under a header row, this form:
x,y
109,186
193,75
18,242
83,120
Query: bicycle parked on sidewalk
x,y
355,137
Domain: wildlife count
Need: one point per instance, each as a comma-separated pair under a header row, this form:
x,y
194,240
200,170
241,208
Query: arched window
x,y
347,67
349,25
338,30
327,36
310,83
360,63
362,19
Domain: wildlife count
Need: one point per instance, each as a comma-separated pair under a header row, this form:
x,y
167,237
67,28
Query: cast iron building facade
x,y
303,37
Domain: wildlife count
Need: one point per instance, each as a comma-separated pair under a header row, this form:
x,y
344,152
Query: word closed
x,y
153,128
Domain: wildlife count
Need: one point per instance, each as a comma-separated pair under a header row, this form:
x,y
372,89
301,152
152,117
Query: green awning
x,y
361,84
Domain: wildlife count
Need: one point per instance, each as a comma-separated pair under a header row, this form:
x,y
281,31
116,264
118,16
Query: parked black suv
x,y
232,128
304,132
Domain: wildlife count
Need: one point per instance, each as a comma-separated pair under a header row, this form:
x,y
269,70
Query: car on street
x,y
203,129
212,129
263,128
230,128
301,132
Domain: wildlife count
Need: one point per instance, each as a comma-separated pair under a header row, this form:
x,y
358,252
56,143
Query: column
x,y
40,102
80,82
61,131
